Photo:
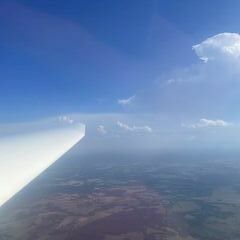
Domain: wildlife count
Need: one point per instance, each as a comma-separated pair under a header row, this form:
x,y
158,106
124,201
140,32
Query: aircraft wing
x,y
24,156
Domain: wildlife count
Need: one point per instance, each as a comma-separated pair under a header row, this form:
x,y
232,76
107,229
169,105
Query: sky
x,y
167,70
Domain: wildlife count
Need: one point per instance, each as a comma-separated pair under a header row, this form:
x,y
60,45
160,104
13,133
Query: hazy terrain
x,y
129,195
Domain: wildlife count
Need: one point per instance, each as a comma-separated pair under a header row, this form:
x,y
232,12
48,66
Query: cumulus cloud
x,y
101,130
219,47
126,101
133,128
208,88
210,123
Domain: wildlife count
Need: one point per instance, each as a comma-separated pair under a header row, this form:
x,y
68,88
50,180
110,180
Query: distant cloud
x,y
101,130
133,128
127,100
65,119
210,123
220,46
171,81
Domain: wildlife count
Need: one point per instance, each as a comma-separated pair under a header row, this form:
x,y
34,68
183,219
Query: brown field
x,y
126,212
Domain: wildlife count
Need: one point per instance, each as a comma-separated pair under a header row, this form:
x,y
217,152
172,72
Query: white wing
x,y
24,156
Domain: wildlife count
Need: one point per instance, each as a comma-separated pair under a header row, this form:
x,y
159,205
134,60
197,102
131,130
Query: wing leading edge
x,y
24,156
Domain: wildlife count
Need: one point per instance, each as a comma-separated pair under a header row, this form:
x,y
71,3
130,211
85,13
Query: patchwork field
x,y
129,197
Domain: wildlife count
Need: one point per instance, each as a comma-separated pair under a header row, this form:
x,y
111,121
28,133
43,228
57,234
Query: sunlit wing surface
x,y
24,156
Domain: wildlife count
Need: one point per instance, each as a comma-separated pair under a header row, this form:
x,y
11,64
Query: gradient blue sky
x,y
70,56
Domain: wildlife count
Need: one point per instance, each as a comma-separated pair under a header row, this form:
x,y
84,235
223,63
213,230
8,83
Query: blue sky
x,y
81,56
163,71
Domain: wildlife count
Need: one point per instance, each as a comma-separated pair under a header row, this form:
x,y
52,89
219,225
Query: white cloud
x,y
219,47
201,89
134,128
101,130
127,100
210,123
65,119
171,81
124,126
